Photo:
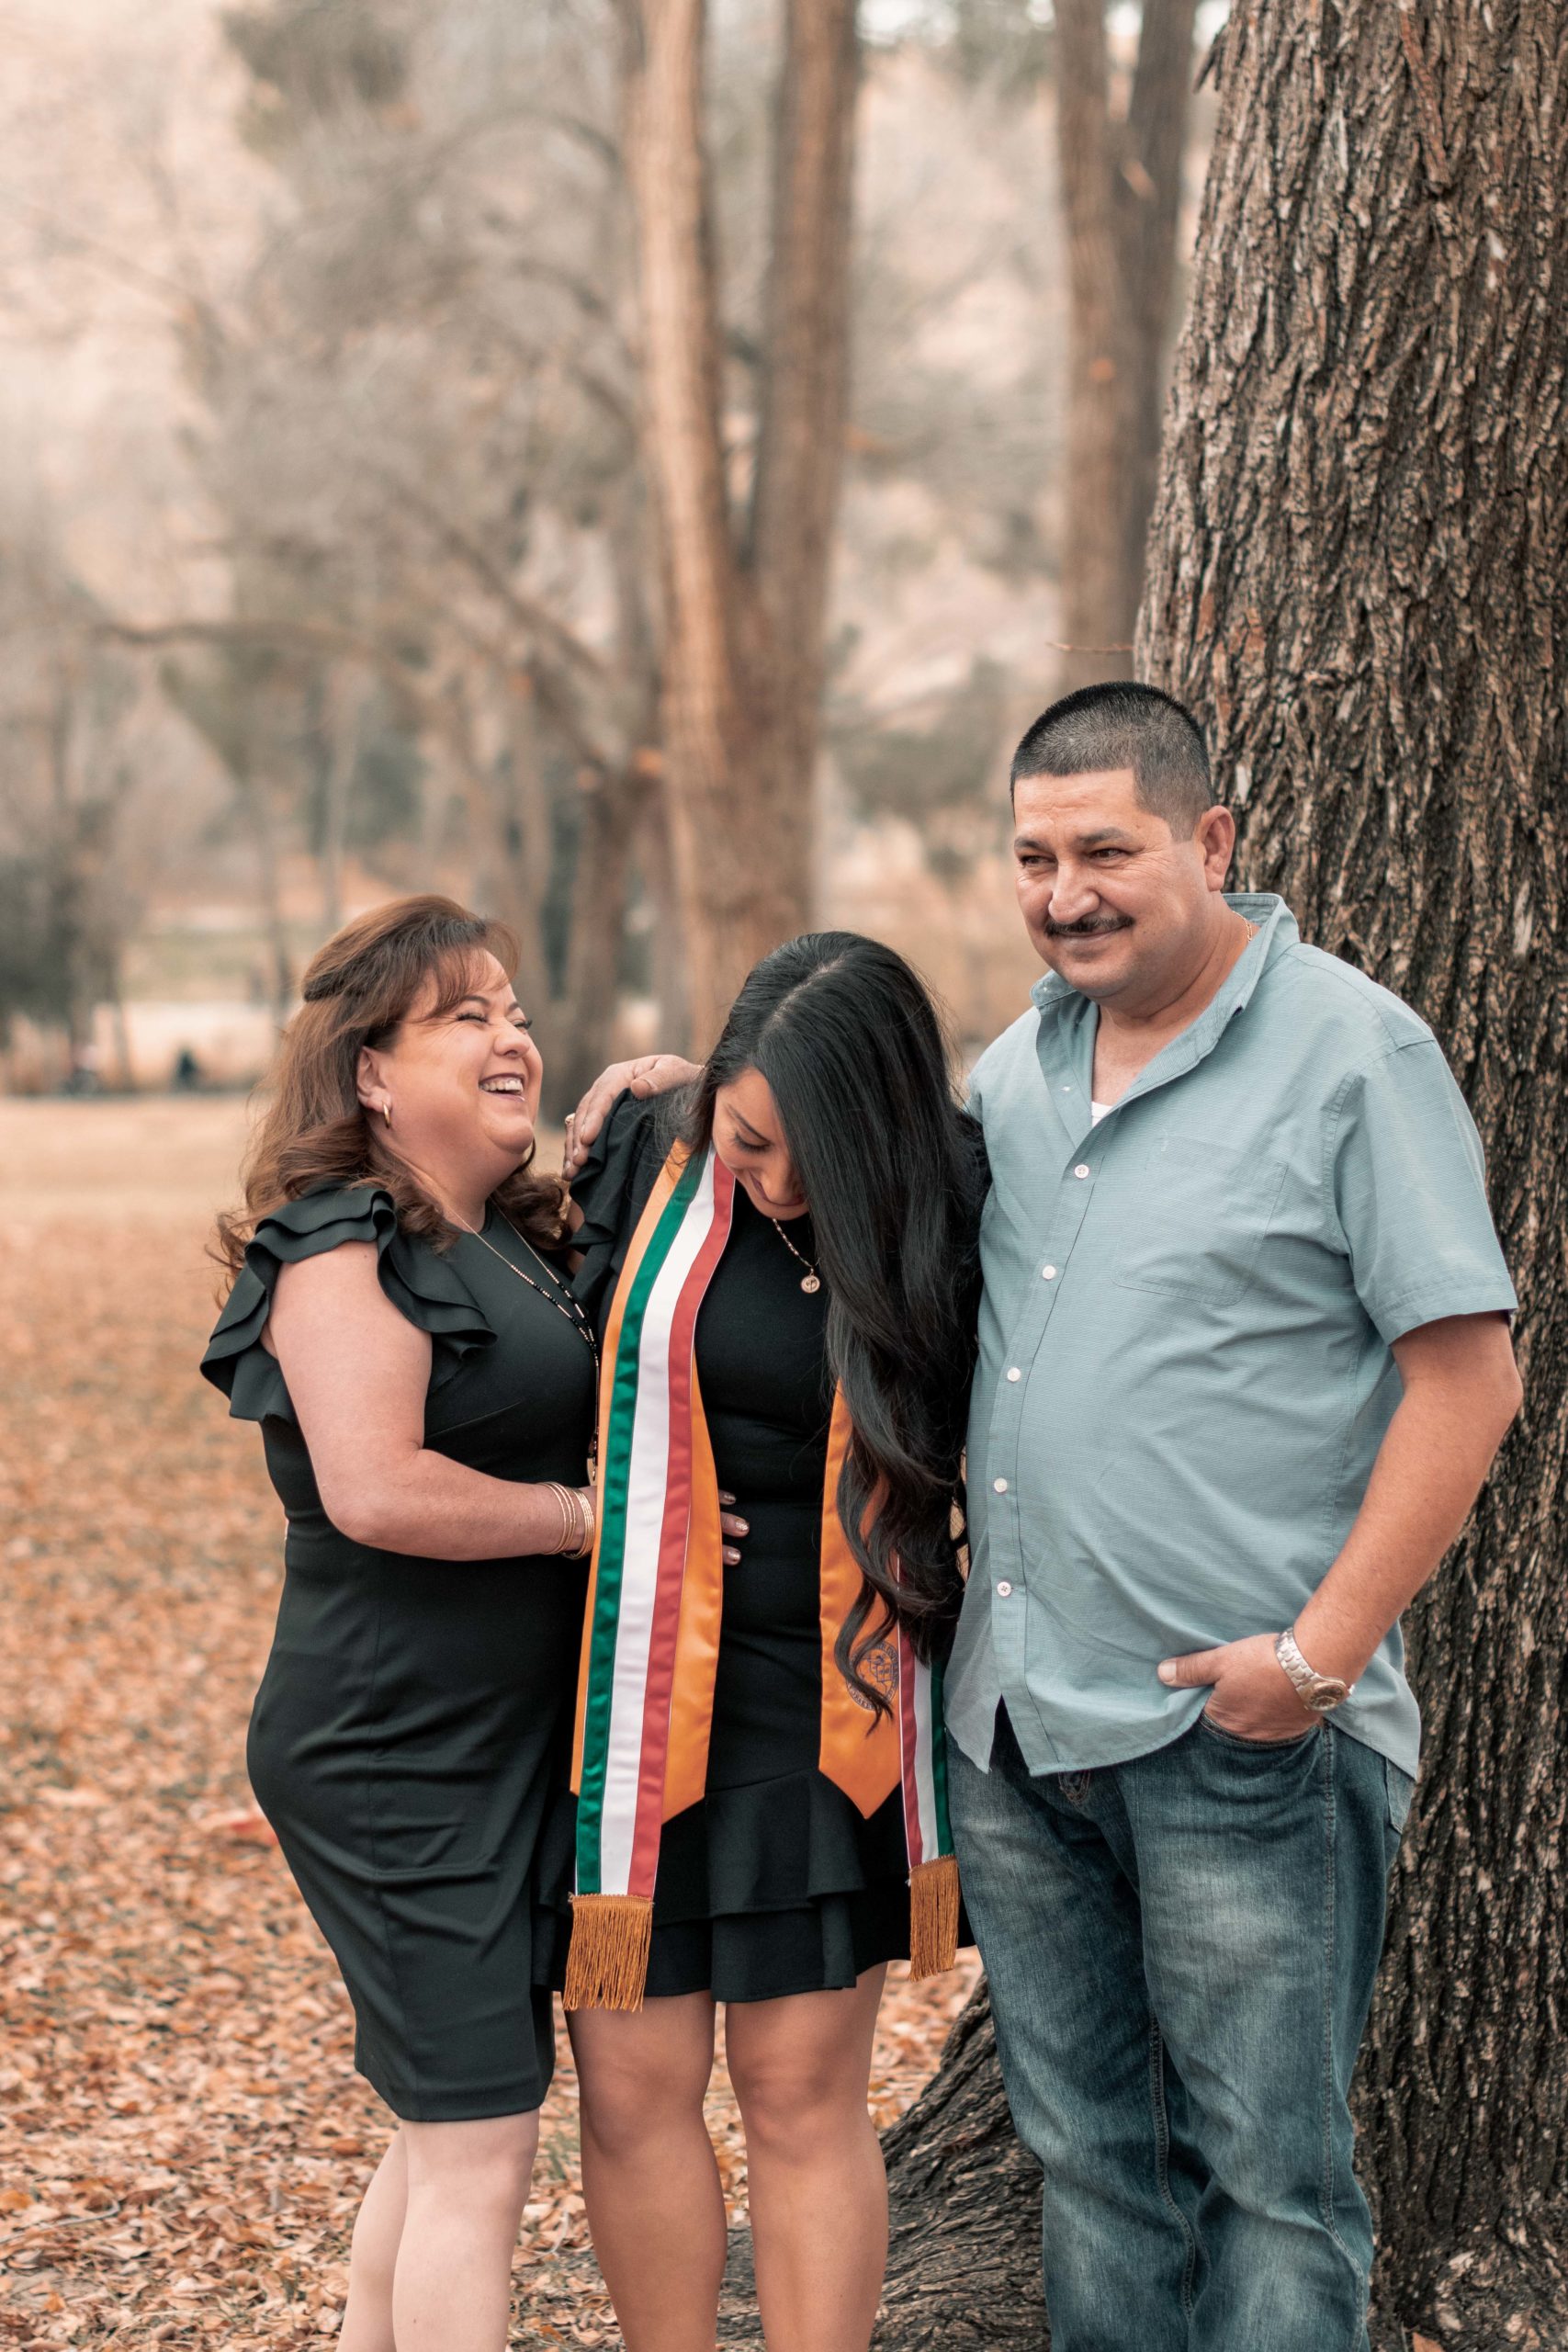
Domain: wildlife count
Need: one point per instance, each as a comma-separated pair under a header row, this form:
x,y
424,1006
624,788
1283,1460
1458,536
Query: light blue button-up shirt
x,y
1185,1366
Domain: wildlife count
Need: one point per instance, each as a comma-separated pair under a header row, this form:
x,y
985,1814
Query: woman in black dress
x,y
850,1261
401,1328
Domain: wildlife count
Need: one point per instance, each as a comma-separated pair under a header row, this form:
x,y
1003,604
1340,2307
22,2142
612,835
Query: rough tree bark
x,y
1357,578
744,593
1121,179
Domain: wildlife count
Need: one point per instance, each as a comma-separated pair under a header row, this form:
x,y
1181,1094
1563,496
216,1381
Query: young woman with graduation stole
x,y
782,1261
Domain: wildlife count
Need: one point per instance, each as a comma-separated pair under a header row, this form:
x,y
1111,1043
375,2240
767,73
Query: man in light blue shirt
x,y
1244,1366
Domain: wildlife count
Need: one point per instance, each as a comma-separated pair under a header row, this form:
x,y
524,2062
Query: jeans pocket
x,y
1255,1746
1400,1787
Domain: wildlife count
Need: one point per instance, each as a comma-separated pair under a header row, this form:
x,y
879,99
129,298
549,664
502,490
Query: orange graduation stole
x,y
651,1645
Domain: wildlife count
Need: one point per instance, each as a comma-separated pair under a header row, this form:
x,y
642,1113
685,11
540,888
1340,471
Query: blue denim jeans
x,y
1181,1952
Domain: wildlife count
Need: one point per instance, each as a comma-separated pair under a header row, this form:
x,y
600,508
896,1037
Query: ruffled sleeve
x,y
421,1285
611,1189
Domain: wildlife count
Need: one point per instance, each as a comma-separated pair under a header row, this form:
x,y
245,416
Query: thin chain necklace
x,y
810,1280
558,1296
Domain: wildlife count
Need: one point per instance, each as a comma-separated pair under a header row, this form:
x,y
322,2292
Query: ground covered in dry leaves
x,y
183,2139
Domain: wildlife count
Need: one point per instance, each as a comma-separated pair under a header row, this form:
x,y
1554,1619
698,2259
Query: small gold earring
x,y
387,1108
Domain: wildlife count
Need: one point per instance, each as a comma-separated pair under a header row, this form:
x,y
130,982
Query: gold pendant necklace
x,y
810,1280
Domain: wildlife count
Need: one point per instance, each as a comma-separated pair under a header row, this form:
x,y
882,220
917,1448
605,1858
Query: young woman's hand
x,y
734,1530
650,1074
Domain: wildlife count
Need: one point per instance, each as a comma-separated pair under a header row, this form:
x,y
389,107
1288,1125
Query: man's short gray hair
x,y
1125,725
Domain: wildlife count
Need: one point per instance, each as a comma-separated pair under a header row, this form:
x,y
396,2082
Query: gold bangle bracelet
x,y
576,1538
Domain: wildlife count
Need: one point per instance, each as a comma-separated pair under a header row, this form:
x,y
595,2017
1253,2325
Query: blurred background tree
x,y
1121,165
746,496
69,717
446,543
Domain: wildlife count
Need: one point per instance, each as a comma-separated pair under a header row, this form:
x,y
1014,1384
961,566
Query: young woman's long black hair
x,y
849,1042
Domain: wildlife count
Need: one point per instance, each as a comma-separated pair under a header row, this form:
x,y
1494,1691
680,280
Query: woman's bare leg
x,y
818,2192
466,2187
367,2316
649,2176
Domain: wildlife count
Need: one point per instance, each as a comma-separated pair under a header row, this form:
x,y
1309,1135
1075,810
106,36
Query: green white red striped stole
x,y
651,1644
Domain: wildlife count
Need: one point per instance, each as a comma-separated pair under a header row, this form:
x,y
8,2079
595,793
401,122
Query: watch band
x,y
1321,1692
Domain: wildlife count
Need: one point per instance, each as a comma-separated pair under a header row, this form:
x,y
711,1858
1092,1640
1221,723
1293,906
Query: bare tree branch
x,y
525,610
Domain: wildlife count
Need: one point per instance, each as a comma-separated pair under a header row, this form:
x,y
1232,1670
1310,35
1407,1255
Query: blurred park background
x,y
329,562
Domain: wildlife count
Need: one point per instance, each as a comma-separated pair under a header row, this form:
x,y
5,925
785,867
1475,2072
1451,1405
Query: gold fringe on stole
x,y
934,1916
606,1965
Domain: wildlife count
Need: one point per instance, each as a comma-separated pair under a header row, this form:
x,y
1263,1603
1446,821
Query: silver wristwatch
x,y
1320,1693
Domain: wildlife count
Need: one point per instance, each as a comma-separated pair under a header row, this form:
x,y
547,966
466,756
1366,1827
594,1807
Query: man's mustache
x,y
1091,926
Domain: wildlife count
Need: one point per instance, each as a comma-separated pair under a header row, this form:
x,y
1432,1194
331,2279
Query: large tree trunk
x,y
963,2266
1356,578
743,605
1121,179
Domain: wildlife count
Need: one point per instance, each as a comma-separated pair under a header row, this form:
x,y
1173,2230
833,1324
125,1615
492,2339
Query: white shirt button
x,y
1013,1372
1004,1589
1000,1485
1080,1171
1047,1274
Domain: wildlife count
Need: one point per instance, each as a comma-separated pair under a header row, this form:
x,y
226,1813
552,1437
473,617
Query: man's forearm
x,y
1431,1465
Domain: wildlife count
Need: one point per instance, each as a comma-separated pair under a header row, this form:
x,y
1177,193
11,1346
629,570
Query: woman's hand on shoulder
x,y
357,1374
650,1074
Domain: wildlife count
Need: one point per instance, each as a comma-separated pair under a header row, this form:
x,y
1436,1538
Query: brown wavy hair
x,y
358,990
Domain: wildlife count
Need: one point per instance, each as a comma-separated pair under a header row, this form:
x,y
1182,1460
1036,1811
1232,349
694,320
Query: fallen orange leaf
x,y
249,1824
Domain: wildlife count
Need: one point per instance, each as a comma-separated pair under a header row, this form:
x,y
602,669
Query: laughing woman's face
x,y
462,1085
749,1136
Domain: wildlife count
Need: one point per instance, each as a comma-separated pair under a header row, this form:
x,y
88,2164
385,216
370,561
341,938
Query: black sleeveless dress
x,y
774,1884
411,1734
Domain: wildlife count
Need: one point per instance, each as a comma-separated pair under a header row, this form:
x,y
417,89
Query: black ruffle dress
x,y
774,1884
411,1734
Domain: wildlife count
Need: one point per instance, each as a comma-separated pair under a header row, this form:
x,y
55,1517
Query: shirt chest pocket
x,y
1196,1218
